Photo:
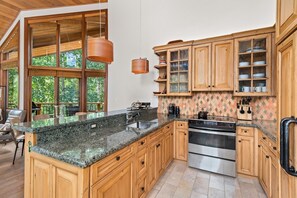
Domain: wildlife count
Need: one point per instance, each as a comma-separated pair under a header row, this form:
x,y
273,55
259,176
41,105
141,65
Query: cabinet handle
x,y
167,127
264,138
142,162
213,86
239,141
142,142
274,148
259,146
142,189
267,156
236,91
185,134
158,145
245,131
118,158
208,85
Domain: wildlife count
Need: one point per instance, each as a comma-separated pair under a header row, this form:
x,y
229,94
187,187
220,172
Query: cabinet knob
x,y
158,145
142,189
142,162
264,138
185,134
142,142
208,85
245,131
118,158
236,91
267,156
239,141
274,148
213,86
167,127
259,146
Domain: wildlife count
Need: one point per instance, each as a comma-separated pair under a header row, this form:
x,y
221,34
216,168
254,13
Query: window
x,y
95,93
57,51
13,88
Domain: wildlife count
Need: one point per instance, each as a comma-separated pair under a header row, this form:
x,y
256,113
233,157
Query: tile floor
x,y
181,181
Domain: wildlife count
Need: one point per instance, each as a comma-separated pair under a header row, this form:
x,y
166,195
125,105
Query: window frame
x,y
82,73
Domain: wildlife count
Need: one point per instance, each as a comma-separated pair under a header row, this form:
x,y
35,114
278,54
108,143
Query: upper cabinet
x,y
286,20
174,69
213,66
253,67
178,71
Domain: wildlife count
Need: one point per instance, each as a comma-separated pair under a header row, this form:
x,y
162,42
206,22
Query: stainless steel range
x,y
212,145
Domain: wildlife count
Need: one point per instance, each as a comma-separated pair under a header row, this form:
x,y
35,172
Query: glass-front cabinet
x,y
179,64
253,66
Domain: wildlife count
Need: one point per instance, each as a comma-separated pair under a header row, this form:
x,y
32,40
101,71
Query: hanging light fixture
x,y
100,49
141,65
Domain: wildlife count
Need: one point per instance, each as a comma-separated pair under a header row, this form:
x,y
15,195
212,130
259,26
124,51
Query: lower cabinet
x,y
274,170
128,173
51,178
119,183
264,164
181,140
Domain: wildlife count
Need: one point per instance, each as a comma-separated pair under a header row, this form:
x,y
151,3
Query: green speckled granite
x,y
268,127
84,149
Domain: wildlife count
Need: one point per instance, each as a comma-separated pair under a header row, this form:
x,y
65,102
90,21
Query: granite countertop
x,y
84,150
268,127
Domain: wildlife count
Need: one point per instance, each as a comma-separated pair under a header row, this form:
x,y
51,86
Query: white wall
x,y
165,20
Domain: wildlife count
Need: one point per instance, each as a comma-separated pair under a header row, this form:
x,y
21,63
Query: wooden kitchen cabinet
x,y
274,176
181,140
213,66
119,183
52,178
253,66
264,166
168,145
245,155
286,18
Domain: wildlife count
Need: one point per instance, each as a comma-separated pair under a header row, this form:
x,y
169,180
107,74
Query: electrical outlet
x,y
93,126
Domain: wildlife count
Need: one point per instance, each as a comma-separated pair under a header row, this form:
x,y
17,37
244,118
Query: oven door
x,y
219,144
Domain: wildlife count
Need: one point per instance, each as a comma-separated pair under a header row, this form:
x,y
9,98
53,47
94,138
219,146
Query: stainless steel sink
x,y
139,125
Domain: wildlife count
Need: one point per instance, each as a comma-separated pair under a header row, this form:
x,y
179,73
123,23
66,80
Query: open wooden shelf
x,y
162,66
161,80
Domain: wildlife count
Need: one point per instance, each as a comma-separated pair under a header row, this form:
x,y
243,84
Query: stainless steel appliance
x,y
212,145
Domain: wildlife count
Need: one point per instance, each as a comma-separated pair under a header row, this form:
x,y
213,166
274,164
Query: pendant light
x,y
141,65
100,49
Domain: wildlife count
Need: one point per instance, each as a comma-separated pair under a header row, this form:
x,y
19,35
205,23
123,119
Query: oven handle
x,y
211,132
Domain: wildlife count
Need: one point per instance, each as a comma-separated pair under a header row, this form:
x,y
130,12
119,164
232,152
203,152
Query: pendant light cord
x,y
140,36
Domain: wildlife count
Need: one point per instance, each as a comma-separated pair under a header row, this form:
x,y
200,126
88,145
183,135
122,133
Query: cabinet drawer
x,y
181,125
142,187
273,147
142,162
264,139
168,127
245,131
155,135
142,143
108,164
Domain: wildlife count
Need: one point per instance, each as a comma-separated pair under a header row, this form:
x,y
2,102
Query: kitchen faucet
x,y
131,116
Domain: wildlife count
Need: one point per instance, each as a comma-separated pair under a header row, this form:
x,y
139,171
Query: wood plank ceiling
x,y
9,9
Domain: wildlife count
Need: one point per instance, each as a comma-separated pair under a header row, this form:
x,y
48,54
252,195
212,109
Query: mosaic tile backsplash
x,y
219,104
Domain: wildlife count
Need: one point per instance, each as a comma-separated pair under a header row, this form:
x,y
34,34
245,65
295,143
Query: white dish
x,y
246,89
244,64
243,76
259,75
259,63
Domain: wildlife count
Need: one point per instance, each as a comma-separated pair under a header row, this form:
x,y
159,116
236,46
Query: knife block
x,y
245,115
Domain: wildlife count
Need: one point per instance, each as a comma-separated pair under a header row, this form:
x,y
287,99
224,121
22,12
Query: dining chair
x,y
41,117
17,137
14,113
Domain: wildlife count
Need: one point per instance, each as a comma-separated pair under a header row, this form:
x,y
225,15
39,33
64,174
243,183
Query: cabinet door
x,y
274,184
222,66
151,166
142,162
245,155
181,144
201,69
166,150
65,184
286,17
41,179
265,170
286,185
159,158
119,183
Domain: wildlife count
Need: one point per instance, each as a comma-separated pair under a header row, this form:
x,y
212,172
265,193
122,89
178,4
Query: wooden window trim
x,y
57,71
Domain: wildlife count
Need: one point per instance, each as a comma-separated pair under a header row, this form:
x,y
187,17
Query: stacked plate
x,y
259,75
243,76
